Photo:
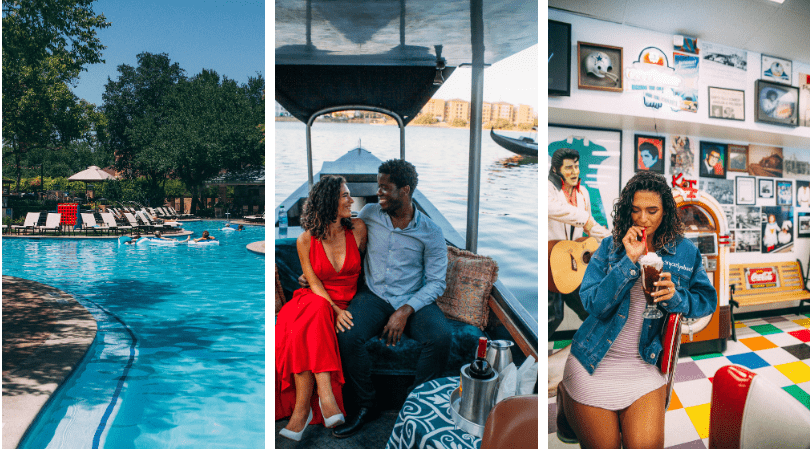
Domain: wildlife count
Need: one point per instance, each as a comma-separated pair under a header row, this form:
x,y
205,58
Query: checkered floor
x,y
778,348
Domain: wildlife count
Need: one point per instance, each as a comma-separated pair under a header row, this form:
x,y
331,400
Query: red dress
x,y
305,329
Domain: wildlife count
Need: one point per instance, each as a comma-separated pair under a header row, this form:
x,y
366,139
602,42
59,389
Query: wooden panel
x,y
790,279
520,339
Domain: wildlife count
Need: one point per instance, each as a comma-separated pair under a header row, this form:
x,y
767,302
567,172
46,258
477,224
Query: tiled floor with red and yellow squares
x,y
777,348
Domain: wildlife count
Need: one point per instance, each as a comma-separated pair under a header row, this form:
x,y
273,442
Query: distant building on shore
x,y
450,110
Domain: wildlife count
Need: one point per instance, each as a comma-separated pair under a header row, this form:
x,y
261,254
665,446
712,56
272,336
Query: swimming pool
x,y
179,358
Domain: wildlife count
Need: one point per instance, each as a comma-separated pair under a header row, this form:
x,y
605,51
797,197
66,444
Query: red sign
x,y
761,277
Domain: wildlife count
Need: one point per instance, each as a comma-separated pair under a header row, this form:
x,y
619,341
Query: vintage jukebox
x,y
707,227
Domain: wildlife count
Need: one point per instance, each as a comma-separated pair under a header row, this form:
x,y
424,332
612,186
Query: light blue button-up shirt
x,y
404,267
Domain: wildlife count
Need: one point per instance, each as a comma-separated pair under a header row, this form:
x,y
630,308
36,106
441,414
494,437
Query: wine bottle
x,y
480,367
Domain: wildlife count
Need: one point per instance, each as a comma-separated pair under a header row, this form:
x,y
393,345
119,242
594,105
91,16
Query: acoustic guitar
x,y
567,261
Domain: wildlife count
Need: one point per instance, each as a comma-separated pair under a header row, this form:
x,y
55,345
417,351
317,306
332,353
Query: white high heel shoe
x,y
331,422
292,434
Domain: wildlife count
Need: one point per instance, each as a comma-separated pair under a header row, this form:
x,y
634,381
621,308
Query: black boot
x,y
353,425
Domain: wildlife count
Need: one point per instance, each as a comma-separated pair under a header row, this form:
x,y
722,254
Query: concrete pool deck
x,y
46,332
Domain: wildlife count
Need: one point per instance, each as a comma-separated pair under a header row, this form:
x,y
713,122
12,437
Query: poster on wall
x,y
731,219
649,154
796,163
784,192
747,241
737,158
746,190
653,77
776,69
599,162
724,64
804,99
803,194
803,224
748,217
682,157
686,66
721,190
765,161
777,229
713,159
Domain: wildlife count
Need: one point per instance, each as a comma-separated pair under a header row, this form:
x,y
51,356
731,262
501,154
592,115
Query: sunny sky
x,y
513,80
226,36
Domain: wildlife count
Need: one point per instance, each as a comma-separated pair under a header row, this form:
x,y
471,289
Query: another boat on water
x,y
342,55
523,145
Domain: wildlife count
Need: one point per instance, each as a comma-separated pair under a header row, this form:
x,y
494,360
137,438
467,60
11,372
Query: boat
x,y
525,146
344,55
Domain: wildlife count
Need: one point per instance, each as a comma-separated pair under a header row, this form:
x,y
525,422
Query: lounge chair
x,y
89,223
31,220
133,222
109,220
255,218
52,223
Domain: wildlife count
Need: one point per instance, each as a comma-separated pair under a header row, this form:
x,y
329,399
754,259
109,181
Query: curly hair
x,y
320,208
671,227
402,173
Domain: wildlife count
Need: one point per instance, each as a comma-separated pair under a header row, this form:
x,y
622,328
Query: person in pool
x,y
205,237
160,236
240,227
612,394
134,239
307,352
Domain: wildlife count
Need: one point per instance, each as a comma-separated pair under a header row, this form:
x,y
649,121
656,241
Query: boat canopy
x,y
385,53
304,90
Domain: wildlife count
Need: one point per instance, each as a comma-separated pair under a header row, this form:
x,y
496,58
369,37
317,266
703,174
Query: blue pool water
x,y
179,358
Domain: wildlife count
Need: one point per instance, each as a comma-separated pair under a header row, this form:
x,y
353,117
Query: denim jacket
x,y
605,293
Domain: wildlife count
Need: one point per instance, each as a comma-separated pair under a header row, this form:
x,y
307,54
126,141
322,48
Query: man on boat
x,y
569,218
405,269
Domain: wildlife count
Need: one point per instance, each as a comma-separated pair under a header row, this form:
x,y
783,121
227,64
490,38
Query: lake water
x,y
508,215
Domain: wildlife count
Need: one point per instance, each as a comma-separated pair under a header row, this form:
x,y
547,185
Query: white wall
x,y
635,118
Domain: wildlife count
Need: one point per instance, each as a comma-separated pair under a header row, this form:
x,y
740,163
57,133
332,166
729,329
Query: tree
x,y
135,111
210,127
425,119
45,47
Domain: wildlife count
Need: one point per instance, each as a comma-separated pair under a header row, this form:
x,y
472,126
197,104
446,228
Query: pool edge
x,y
66,330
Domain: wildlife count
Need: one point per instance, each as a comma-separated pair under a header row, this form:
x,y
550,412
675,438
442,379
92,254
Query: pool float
x,y
204,243
123,240
156,241
227,229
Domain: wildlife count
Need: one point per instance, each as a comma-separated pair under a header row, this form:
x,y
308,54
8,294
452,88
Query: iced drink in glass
x,y
651,267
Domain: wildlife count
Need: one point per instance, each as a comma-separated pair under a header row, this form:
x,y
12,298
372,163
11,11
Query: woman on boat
x,y
309,375
612,393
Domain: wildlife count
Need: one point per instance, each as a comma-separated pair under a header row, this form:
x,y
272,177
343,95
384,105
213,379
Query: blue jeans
x,y
370,313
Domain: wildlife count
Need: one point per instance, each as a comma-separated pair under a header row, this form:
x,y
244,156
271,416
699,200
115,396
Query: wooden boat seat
x,y
764,284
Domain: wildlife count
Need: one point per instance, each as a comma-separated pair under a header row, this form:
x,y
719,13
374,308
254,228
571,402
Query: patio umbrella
x,y
91,174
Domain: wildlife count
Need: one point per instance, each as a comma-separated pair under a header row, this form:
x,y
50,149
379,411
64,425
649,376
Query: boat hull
x,y
515,145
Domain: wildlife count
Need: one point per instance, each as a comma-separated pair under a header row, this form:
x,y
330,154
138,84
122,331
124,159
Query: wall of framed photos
x,y
758,170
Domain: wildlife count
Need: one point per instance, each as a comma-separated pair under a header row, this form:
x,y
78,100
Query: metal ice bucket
x,y
499,354
477,396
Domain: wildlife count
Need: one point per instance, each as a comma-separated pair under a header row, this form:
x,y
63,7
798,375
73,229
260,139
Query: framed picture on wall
x,y
776,69
726,103
803,224
765,186
713,160
599,67
737,158
777,104
784,192
746,190
765,161
559,58
649,153
803,193
600,173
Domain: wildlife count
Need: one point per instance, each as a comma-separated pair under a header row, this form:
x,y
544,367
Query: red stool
x,y
747,411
